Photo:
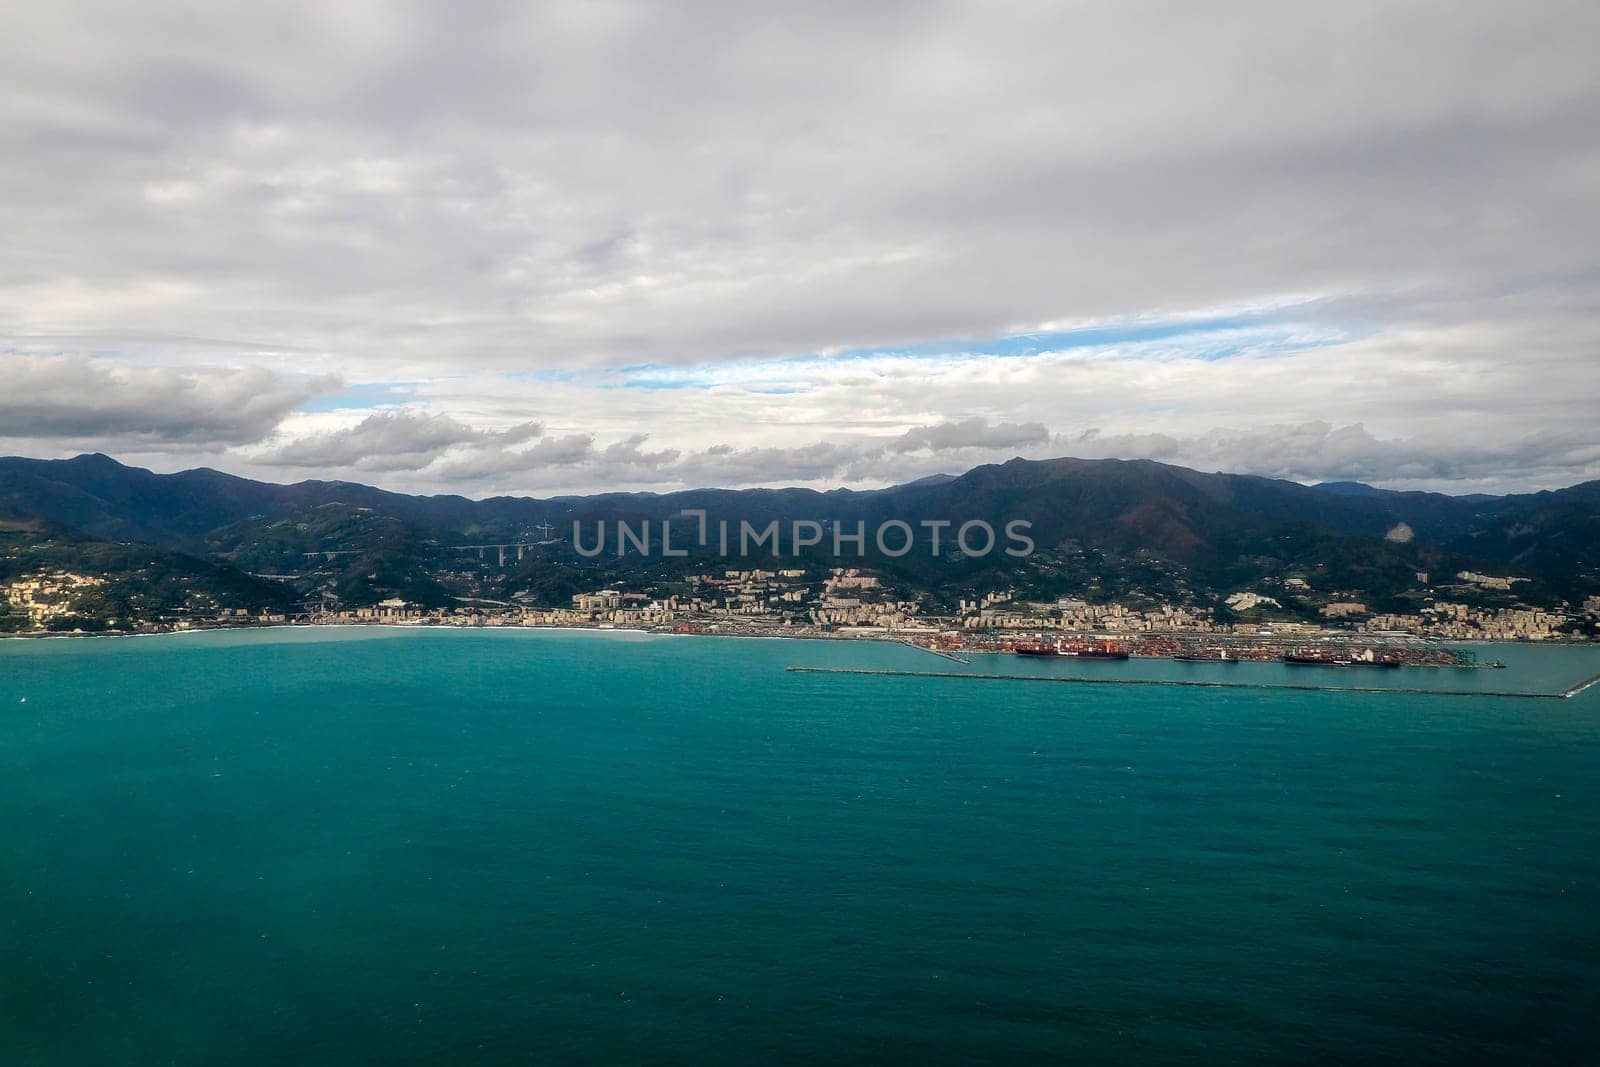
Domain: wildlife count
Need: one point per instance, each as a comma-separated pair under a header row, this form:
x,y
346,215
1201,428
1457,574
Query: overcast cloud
x,y
75,399
567,247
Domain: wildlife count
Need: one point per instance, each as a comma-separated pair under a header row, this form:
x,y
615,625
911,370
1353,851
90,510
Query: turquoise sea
x,y
385,845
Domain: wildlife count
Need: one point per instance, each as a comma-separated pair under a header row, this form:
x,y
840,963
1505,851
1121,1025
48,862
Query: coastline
x,y
907,640
892,636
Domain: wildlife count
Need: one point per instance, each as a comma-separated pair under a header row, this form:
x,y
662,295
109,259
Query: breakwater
x,y
1578,687
1197,683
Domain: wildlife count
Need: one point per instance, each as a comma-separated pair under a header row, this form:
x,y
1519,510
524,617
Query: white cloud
x,y
387,441
499,462
971,433
401,440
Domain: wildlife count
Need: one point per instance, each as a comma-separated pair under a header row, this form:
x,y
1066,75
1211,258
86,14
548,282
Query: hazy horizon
x,y
377,483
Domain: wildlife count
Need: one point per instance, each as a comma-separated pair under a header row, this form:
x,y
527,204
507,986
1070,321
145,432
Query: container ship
x,y
1315,657
1373,658
1074,650
1101,650
1322,657
1207,655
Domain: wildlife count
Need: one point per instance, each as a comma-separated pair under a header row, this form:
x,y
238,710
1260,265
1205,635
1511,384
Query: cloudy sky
x,y
541,248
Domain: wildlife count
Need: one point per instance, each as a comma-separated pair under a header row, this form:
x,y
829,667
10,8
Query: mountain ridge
x,y
1160,528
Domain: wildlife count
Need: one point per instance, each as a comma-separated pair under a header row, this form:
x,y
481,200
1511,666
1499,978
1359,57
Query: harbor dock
x,y
1197,683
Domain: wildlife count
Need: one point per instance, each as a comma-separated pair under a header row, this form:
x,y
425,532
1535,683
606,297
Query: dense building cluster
x,y
52,595
1463,622
850,601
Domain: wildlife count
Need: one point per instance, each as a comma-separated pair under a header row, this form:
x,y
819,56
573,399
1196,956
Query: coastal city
x,y
849,603
814,533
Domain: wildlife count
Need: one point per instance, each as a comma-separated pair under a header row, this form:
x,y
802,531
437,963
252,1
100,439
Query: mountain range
x,y
1103,529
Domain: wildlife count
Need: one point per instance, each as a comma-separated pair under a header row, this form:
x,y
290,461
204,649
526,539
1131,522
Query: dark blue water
x,y
342,846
